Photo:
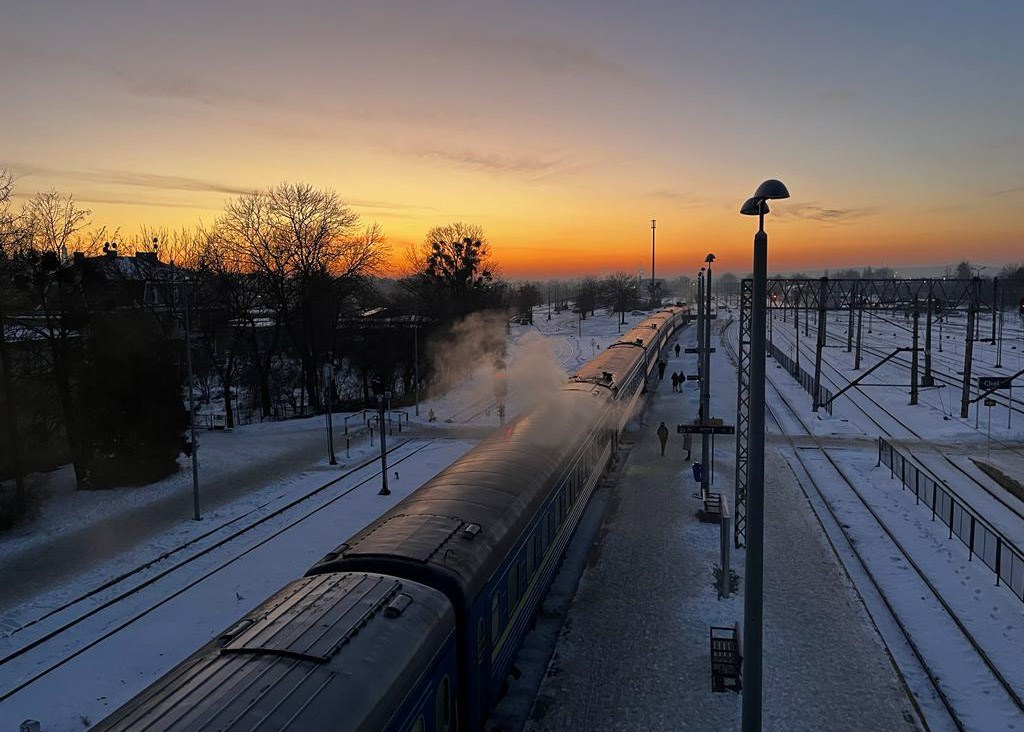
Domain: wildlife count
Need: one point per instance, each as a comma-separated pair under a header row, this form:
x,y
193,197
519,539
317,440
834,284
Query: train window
x,y
420,725
443,706
512,587
495,618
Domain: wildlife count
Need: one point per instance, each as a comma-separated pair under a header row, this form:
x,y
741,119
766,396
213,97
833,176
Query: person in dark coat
x,y
661,369
677,350
675,381
663,437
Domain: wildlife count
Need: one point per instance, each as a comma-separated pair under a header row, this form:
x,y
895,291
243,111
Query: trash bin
x,y
696,471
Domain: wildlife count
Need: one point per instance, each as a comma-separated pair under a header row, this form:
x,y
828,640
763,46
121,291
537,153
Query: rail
x,y
997,552
806,380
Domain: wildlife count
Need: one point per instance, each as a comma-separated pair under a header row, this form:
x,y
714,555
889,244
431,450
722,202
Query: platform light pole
x,y
753,581
705,382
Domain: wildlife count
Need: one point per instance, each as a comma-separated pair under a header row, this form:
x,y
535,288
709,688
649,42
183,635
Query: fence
x,y
981,539
806,380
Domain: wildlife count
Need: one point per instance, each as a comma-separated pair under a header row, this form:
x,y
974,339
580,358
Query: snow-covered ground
x,y
98,582
964,631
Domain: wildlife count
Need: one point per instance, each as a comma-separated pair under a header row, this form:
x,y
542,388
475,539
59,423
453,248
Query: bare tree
x,y
307,249
53,220
618,293
9,238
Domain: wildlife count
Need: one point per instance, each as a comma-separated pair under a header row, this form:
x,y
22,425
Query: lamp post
x,y
700,334
753,587
654,304
383,445
705,382
192,401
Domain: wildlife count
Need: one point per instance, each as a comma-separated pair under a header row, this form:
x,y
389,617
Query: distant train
x,y
412,624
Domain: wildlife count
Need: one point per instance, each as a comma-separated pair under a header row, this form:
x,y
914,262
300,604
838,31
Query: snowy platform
x,y
634,651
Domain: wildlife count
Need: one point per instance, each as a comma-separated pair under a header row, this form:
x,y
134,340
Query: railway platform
x,y
634,651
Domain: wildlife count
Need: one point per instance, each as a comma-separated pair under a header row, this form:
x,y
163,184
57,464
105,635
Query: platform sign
x,y
990,402
693,377
694,350
705,429
986,383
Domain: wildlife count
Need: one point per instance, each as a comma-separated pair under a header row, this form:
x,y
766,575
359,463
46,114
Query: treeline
x,y
284,306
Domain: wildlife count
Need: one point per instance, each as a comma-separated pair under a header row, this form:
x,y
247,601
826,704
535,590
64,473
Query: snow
x,y
123,567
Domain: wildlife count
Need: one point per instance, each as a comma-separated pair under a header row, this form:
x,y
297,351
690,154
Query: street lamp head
x,y
754,207
771,188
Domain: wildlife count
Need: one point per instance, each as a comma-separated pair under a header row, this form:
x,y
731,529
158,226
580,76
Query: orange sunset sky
x,y
562,128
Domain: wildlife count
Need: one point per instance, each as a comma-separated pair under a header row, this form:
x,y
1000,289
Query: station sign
x,y
987,383
695,350
990,402
705,429
693,377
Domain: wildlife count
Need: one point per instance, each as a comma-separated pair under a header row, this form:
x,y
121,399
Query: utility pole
x,y
913,356
383,446
328,374
928,379
972,309
416,358
822,321
654,304
192,404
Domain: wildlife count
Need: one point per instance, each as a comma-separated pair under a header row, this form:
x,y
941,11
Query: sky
x,y
562,128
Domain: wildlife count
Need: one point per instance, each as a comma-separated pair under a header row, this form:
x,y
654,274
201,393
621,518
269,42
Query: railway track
x,y
53,627
904,431
921,629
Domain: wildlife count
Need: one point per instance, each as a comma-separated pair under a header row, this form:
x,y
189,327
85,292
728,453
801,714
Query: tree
x,y
133,417
526,297
586,296
51,222
9,237
963,270
618,293
453,275
308,252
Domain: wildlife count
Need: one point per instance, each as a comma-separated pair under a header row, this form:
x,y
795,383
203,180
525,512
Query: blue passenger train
x,y
412,624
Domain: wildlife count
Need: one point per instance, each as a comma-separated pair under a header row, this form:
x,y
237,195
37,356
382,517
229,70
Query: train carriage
x,y
412,624
351,651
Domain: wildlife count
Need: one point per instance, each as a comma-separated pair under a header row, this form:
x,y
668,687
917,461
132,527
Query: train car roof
x,y
336,651
454,530
620,357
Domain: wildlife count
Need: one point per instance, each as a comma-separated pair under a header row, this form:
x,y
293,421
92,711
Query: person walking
x,y
675,381
677,350
661,369
663,437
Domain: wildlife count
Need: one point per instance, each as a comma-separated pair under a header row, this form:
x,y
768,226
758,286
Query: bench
x,y
712,513
726,659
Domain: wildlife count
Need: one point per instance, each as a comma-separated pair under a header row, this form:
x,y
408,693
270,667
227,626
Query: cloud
x,y
837,95
129,178
523,165
544,54
182,87
814,212
680,199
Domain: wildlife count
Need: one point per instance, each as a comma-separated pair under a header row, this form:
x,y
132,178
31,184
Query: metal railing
x,y
997,552
806,380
